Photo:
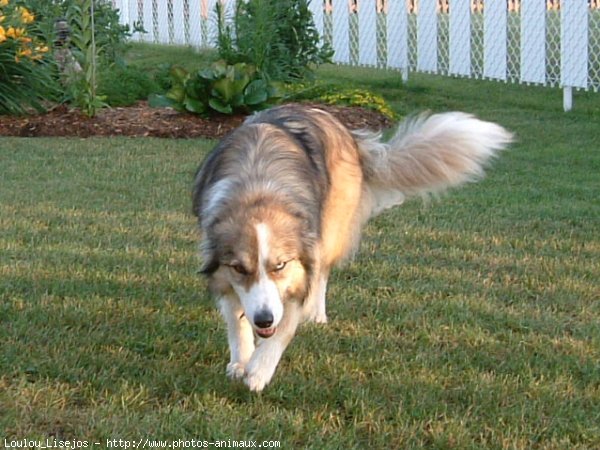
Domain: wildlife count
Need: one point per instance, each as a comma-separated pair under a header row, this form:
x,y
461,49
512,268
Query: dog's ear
x,y
197,192
208,255
209,266
202,180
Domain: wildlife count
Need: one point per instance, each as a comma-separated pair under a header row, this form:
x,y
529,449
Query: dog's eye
x,y
280,266
239,269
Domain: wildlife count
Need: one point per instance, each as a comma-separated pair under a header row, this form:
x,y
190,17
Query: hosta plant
x,y
220,88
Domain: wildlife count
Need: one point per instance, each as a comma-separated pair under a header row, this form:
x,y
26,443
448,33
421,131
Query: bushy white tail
x,y
427,155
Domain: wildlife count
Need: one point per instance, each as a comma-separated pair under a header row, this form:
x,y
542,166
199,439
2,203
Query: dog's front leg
x,y
321,309
314,306
263,363
239,336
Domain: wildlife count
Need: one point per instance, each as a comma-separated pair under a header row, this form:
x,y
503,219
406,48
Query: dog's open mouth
x,y
266,332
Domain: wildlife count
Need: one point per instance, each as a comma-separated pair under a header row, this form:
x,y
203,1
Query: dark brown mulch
x,y
142,120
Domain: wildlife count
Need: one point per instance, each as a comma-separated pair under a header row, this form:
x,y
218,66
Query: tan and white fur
x,y
283,199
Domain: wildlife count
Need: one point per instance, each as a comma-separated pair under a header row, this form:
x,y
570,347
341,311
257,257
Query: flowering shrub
x,y
25,78
359,97
334,95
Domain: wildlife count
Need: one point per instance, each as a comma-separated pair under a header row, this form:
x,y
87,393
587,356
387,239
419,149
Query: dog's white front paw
x,y
321,318
236,370
259,372
257,380
317,317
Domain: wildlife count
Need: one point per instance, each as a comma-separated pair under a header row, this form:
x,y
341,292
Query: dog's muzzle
x,y
264,323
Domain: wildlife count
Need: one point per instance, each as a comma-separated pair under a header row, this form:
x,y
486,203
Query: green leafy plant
x,y
84,89
111,35
278,37
221,88
26,78
123,85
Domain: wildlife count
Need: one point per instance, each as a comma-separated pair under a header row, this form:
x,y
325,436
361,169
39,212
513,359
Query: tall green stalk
x,y
84,91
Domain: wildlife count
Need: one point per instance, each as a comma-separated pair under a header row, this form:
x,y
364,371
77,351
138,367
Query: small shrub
x,y
161,75
25,77
221,88
123,85
278,37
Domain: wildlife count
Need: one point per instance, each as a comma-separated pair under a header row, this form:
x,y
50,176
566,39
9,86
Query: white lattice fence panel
x,y
161,21
412,39
460,42
594,46
178,22
427,36
477,43
195,22
212,22
513,45
494,39
341,31
533,42
367,36
397,35
179,26
553,39
443,41
148,21
574,43
318,11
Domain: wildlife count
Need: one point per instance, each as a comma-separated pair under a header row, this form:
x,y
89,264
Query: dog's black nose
x,y
263,319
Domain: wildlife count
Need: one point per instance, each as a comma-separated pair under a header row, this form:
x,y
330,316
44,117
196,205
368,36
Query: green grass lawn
x,y
470,322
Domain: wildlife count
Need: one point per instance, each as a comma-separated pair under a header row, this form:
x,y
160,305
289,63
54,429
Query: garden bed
x,y
142,120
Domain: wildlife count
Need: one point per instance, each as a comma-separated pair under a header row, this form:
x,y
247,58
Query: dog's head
x,y
261,255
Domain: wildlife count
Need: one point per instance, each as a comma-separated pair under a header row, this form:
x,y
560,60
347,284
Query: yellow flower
x,y
24,52
2,35
15,33
26,16
41,49
3,3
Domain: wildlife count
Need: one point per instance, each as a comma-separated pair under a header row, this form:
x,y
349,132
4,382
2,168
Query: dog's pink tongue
x,y
266,332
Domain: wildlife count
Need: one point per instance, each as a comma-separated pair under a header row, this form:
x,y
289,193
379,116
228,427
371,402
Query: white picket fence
x,y
545,42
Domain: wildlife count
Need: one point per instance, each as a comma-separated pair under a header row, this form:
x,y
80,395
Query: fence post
x,y
567,98
573,48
